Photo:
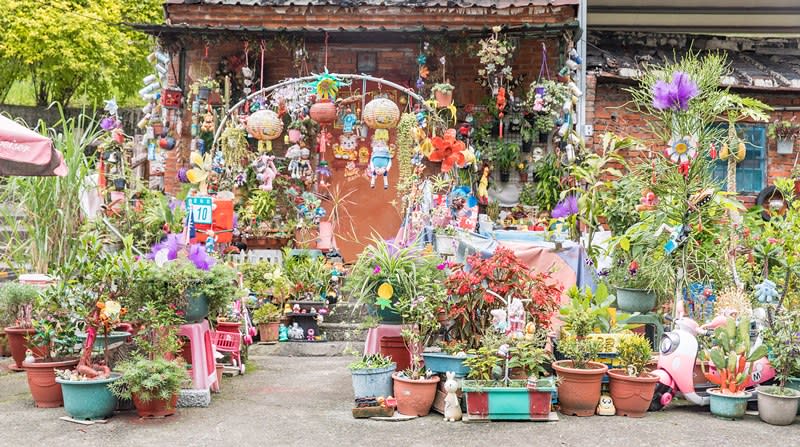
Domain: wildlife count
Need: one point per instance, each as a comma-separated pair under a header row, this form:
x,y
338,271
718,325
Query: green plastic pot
x,y
635,300
725,406
197,307
89,399
100,340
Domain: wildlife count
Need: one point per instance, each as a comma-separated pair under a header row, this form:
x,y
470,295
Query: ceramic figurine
x,y
211,240
606,406
296,308
310,335
313,311
499,320
283,333
287,308
296,332
516,318
452,408
380,162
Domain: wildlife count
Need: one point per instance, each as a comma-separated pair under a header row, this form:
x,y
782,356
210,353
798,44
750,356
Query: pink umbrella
x,y
24,152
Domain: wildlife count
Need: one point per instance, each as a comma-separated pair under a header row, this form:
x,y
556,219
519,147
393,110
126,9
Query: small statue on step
x,y
283,333
452,408
296,332
310,336
606,406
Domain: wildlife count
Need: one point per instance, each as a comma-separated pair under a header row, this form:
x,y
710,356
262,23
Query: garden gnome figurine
x,y
452,408
606,406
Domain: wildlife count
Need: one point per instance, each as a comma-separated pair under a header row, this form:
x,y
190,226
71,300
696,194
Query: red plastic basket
x,y
227,341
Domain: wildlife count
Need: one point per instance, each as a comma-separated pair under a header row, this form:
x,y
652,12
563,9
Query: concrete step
x,y
343,331
346,313
310,349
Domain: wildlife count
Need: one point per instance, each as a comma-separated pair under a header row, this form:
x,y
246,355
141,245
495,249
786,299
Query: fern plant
x,y
148,380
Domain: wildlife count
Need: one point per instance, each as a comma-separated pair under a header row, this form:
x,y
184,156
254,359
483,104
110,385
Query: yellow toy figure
x,y
483,187
363,156
606,406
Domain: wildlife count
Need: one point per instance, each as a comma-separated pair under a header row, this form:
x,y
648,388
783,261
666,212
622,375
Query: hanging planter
x,y
323,112
443,93
785,146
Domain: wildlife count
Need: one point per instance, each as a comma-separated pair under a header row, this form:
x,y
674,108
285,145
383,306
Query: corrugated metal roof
x,y
756,63
409,3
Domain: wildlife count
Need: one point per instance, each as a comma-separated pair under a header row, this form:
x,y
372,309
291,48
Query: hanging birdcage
x,y
381,113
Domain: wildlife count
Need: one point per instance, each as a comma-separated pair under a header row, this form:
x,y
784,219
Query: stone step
x,y
306,349
346,313
343,331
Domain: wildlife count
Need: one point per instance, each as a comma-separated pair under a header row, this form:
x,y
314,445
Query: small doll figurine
x,y
265,171
283,333
349,120
294,153
499,320
483,187
296,308
211,240
606,406
306,173
452,408
310,336
648,201
380,162
516,318
296,332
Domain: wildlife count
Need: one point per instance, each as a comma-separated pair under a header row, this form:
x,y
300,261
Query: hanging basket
x,y
323,112
381,113
264,125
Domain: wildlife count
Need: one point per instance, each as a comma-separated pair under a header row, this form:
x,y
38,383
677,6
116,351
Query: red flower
x,y
448,150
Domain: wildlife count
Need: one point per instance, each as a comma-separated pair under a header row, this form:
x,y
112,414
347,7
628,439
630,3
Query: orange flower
x,y
100,304
448,150
424,72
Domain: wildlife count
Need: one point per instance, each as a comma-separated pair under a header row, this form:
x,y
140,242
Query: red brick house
x,y
380,37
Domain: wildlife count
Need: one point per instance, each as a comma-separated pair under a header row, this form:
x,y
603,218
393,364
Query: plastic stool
x,y
204,370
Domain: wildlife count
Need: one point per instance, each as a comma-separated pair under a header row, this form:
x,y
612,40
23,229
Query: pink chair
x,y
204,371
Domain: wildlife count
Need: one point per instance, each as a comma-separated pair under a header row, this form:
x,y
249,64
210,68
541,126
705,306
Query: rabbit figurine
x,y
452,408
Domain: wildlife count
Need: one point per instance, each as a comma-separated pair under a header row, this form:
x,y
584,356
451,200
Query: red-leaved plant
x,y
504,274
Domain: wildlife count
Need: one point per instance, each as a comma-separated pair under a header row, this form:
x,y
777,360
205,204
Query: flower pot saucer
x,y
15,368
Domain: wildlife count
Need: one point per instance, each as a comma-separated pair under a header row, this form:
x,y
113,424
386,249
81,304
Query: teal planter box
x,y
728,407
512,403
441,363
197,307
89,399
371,382
100,340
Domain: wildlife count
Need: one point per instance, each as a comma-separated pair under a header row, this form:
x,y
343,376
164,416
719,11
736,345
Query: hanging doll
x,y
304,167
380,162
483,187
349,121
265,171
294,154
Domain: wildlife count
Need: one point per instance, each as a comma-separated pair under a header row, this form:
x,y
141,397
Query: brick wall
x,y
606,110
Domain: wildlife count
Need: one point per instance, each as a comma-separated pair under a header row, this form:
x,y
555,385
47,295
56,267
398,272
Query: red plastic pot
x,y
228,326
395,347
42,381
155,408
18,343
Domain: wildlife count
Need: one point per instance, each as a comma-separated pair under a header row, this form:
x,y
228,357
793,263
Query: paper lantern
x,y
264,125
323,112
381,113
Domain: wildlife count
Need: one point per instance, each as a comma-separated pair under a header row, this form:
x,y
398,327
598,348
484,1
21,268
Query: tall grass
x,y
50,206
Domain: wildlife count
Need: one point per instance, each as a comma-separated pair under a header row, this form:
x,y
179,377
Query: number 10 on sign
x,y
200,208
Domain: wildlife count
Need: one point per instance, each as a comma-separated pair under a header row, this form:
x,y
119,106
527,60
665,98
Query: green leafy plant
x,y
634,352
370,361
782,337
310,277
531,357
156,379
266,279
548,173
580,350
16,303
784,130
482,363
732,355
268,313
442,87
589,311
260,207
60,310
527,196
504,156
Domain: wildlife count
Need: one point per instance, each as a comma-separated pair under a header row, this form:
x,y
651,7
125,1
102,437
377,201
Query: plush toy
x,y
516,318
606,406
294,153
265,171
347,149
452,408
304,167
499,320
380,162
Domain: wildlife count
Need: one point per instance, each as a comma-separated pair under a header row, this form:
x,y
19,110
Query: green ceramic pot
x,y
197,307
725,406
89,399
635,300
100,340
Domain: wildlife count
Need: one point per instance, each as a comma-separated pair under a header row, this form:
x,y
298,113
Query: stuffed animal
x,y
347,149
380,162
265,171
293,154
499,320
452,408
606,406
516,318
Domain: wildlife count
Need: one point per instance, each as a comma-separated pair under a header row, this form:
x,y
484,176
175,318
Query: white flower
x,y
497,28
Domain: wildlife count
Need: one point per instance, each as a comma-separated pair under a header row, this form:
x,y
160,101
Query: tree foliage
x,y
71,48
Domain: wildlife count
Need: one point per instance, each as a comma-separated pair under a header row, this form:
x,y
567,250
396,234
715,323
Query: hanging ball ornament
x,y
323,112
265,125
381,113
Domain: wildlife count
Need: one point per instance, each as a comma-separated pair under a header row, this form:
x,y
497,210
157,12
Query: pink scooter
x,y
678,357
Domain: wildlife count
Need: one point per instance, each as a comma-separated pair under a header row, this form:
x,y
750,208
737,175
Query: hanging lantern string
x,y
261,80
246,48
326,50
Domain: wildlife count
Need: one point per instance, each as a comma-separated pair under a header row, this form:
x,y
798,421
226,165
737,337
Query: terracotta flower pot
x,y
414,397
220,368
269,331
155,408
579,391
631,395
443,99
42,381
18,343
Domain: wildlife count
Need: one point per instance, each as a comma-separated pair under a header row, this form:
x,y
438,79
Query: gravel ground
x,y
306,401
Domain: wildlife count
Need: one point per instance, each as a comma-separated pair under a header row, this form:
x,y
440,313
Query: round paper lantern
x,y
323,112
381,113
264,125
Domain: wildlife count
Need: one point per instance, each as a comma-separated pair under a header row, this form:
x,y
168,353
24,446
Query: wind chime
x,y
567,134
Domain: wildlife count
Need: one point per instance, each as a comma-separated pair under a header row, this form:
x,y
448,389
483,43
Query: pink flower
x,y
376,270
772,240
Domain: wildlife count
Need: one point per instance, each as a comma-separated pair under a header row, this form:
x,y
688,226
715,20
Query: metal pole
x,y
582,7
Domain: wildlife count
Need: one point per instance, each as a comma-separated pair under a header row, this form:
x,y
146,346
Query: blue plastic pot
x,y
440,362
100,340
197,307
726,406
89,399
373,381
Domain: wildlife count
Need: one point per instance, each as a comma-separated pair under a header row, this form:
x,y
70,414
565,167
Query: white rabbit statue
x,y
452,408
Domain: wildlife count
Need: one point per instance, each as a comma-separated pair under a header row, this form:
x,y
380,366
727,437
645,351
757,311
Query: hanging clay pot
x,y
323,112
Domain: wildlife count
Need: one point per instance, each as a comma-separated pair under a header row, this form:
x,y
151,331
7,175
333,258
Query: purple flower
x,y
171,243
201,259
108,123
676,94
376,270
420,84
566,207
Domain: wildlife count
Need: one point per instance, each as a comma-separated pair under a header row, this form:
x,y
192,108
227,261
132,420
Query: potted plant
x,y
522,167
372,376
731,356
632,387
785,132
16,305
504,157
267,318
632,274
449,357
579,376
203,87
446,242
778,405
545,101
528,359
59,308
443,93
152,384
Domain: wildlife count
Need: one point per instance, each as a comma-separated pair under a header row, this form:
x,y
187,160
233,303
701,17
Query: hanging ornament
x,y
682,151
381,113
501,105
264,125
